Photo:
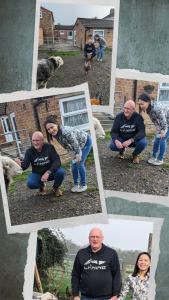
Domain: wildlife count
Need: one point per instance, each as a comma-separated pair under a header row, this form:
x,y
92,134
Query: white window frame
x,y
162,87
41,15
95,31
85,126
62,32
7,133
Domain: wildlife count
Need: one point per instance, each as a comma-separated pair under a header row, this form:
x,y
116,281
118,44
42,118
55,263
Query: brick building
x,y
126,89
64,33
19,119
46,27
85,26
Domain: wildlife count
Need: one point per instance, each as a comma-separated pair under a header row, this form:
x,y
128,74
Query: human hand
x,y
127,143
76,298
18,161
45,176
118,144
162,134
113,298
78,158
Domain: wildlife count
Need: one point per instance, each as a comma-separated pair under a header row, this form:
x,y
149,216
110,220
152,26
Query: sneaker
x,y
135,159
152,160
75,188
42,190
101,59
57,192
158,162
82,188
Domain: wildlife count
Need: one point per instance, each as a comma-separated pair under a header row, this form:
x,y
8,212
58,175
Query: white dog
x,y
46,69
100,133
46,296
10,169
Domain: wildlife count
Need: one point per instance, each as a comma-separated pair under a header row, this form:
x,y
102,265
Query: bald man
x,y
46,165
96,271
128,131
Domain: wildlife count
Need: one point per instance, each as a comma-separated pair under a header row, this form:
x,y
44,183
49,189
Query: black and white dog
x,y
10,169
46,69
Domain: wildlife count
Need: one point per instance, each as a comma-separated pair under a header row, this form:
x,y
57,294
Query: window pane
x,y
74,105
164,95
76,120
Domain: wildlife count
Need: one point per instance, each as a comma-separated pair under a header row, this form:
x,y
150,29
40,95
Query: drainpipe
x,y
134,90
35,111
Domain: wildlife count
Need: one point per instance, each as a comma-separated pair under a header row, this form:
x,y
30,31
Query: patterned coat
x,y
72,139
137,287
159,115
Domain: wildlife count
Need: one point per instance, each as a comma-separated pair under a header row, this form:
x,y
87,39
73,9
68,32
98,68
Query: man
x,y
128,131
96,271
100,45
46,165
89,49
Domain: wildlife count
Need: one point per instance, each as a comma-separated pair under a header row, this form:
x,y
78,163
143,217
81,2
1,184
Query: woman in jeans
x,y
159,115
76,141
138,282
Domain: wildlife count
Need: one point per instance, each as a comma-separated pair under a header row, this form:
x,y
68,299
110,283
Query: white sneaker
x,y
158,162
152,160
101,59
82,189
75,189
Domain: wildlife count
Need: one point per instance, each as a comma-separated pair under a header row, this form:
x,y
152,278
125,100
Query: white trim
x,y
85,126
96,30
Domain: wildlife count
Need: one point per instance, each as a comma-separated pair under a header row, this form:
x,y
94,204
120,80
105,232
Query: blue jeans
x,y
79,168
139,145
34,179
100,52
88,298
160,145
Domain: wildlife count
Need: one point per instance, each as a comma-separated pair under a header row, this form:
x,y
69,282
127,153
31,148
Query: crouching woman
x,y
138,283
78,142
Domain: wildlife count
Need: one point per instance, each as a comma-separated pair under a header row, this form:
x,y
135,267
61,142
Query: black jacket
x,y
47,159
89,49
126,129
96,274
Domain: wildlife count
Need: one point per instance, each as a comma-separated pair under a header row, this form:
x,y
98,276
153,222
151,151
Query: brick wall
x,y
124,89
80,35
47,24
25,118
41,38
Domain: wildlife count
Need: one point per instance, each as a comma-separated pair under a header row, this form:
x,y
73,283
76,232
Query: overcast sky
x,y
123,234
66,14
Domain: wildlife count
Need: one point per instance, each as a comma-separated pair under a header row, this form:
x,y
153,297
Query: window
x,y
99,32
41,16
61,32
74,112
163,93
70,35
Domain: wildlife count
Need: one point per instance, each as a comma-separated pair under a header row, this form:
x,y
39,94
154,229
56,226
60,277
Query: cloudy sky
x,y
63,16
123,234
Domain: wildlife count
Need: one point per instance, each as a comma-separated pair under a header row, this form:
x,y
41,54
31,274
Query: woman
x,y
101,44
137,283
159,115
76,141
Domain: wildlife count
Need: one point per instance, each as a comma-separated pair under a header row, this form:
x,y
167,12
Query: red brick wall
x,y
47,24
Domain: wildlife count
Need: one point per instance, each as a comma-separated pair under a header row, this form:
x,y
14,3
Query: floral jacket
x,y
159,115
72,139
137,286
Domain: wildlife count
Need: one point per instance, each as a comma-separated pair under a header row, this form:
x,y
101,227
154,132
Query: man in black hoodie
x,y
128,131
96,270
46,165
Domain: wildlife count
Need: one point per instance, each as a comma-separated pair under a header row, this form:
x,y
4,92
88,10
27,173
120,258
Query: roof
x,y
3,108
64,27
111,14
95,23
48,11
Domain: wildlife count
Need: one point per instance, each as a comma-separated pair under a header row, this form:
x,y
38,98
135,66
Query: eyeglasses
x,y
95,237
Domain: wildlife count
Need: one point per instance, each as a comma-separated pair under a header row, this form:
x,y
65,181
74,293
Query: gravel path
x,y
26,206
72,73
123,175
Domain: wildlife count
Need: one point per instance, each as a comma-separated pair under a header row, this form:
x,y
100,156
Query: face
x,y
89,41
128,110
52,128
143,262
37,141
95,239
143,105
